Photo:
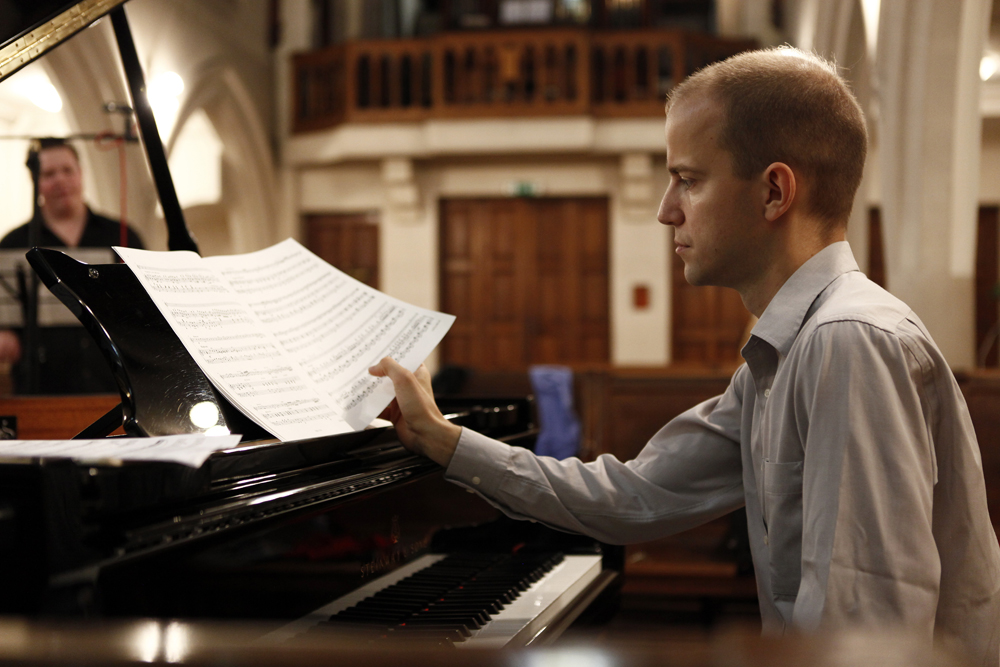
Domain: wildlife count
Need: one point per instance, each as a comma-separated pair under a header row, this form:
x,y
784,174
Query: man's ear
x,y
781,187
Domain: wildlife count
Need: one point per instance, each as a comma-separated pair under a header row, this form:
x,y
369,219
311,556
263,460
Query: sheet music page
x,y
285,336
189,449
333,326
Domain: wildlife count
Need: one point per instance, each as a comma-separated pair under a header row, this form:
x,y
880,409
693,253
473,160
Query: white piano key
x,y
526,616
519,622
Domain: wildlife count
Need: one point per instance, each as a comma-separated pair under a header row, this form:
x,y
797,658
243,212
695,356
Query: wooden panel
x,y
987,285
982,394
347,241
55,417
528,281
876,247
709,323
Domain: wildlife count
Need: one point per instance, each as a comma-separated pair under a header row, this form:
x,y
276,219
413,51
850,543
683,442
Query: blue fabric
x,y
559,435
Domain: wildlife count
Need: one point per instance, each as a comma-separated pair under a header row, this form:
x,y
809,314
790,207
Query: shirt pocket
x,y
783,514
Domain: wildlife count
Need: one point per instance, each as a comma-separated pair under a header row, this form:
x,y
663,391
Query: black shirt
x,y
69,362
100,232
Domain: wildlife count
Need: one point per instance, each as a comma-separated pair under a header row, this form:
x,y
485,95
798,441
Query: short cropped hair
x,y
786,105
45,143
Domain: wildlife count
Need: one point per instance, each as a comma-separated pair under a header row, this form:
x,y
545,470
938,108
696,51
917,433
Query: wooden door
x,y
709,323
349,241
527,280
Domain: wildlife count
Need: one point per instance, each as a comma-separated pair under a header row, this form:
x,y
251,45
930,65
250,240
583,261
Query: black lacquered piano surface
x,y
293,535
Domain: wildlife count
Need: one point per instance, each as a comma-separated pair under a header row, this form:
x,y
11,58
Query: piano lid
x,y
30,28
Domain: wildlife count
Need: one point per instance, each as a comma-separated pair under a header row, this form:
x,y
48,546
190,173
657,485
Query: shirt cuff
x,y
479,463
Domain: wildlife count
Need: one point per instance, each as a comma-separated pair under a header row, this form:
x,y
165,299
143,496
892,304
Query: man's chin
x,y
694,277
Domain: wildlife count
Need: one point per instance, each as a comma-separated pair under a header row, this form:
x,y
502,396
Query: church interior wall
x,y
639,246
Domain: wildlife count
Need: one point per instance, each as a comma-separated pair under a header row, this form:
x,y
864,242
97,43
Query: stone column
x,y
296,28
838,30
929,144
640,260
408,258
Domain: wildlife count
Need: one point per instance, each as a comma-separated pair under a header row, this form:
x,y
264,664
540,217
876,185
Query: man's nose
x,y
669,213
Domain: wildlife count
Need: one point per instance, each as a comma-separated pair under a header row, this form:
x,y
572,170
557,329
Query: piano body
x,y
350,527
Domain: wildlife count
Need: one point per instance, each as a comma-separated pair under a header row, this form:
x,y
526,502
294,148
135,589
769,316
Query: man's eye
x,y
687,183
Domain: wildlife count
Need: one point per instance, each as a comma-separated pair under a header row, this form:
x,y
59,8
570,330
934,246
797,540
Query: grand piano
x,y
350,532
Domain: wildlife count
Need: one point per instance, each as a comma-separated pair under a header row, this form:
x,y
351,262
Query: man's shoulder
x,y
102,222
16,238
102,231
855,298
855,315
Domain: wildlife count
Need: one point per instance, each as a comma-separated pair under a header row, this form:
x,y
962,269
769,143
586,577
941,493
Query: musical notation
x,y
341,356
282,323
186,283
211,317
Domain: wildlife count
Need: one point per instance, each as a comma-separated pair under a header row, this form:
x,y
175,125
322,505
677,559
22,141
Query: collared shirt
x,y
847,438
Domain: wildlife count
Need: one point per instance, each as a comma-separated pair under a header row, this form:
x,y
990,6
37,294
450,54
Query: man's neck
x,y
785,261
68,226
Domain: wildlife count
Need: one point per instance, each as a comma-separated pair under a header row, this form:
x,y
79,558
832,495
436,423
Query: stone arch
x,y
836,30
86,72
249,191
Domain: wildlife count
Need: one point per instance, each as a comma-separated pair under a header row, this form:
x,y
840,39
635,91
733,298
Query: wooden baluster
x,y
480,97
302,98
569,71
363,81
427,80
509,68
620,70
609,73
597,73
642,72
555,88
406,81
491,92
449,77
530,74
386,81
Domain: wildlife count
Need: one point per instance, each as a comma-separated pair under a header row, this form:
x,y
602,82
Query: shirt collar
x,y
783,317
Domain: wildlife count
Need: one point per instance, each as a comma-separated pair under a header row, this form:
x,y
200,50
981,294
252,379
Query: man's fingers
x,y
387,367
401,378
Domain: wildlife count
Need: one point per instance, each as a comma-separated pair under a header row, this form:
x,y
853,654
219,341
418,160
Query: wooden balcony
x,y
552,72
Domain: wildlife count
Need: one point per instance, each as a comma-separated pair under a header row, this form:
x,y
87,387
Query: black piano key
x,y
449,599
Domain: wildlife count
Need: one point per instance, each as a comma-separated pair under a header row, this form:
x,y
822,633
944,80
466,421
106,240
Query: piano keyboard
x,y
468,600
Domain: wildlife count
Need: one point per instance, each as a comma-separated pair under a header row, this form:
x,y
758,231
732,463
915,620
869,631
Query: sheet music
x,y
189,449
285,336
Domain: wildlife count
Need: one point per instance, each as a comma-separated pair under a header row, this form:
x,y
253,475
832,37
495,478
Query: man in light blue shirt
x,y
845,434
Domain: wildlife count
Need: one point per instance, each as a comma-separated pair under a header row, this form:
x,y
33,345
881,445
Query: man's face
x,y
715,215
60,182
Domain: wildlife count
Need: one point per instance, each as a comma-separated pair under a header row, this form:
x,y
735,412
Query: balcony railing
x,y
564,71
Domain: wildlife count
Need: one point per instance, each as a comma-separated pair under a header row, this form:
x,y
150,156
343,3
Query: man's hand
x,y
10,347
419,424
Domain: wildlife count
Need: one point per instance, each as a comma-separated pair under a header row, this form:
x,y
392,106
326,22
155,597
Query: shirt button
x,y
767,393
476,480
